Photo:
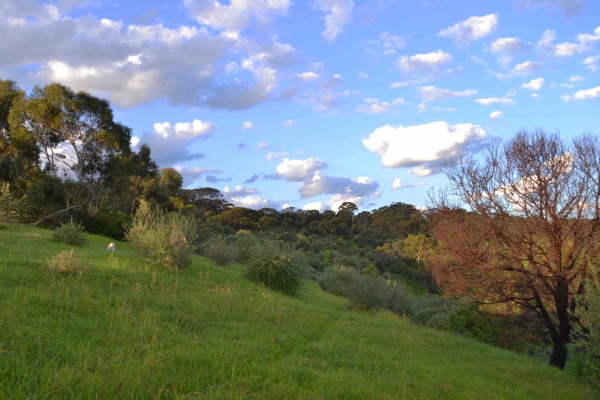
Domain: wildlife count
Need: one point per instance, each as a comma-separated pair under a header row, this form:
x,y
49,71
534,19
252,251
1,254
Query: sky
x,y
307,104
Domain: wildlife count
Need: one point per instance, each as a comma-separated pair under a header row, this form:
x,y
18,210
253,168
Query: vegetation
x,y
127,329
163,239
70,233
220,251
65,263
277,268
532,235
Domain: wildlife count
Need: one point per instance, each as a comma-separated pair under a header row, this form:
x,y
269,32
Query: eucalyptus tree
x,y
75,134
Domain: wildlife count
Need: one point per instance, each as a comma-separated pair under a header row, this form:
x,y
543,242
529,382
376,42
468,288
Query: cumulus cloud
x,y
591,61
289,122
522,69
362,74
254,202
424,62
234,17
495,100
576,78
299,170
139,64
317,205
423,147
262,145
397,184
247,125
534,84
320,183
307,76
338,15
496,114
191,174
238,191
471,29
272,156
374,106
169,143
566,49
432,93
506,48
586,94
568,7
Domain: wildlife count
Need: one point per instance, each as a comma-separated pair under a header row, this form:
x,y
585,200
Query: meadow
x,y
124,329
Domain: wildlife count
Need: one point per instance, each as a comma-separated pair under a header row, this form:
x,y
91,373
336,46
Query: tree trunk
x,y
559,354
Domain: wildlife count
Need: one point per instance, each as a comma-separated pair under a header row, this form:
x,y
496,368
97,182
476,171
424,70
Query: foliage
x,y
70,233
277,268
220,251
586,348
371,272
532,231
9,205
162,238
65,263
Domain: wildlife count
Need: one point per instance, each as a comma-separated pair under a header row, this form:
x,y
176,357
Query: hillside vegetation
x,y
122,329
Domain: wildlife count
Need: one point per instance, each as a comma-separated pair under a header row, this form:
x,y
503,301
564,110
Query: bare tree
x,y
521,226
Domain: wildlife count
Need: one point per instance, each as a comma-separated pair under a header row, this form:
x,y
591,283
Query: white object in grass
x,y
111,247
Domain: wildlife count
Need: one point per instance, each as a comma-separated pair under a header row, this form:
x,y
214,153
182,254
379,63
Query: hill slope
x,y
126,330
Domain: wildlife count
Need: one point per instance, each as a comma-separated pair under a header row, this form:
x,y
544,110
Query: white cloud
x,y
262,145
397,184
238,191
423,147
495,100
566,49
374,106
534,84
586,94
521,69
496,114
320,183
289,122
307,76
318,206
233,18
591,61
191,174
576,78
247,125
478,60
338,15
568,7
473,28
169,143
299,170
254,202
362,75
424,62
506,48
431,93
276,156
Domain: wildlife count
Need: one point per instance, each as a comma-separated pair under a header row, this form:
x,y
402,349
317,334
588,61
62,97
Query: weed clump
x,y
162,238
70,233
65,263
220,251
278,268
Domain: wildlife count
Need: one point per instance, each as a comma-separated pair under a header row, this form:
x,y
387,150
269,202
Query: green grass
x,y
125,330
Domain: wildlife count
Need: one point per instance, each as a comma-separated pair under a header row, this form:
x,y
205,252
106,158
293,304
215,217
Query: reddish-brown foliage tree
x,y
521,225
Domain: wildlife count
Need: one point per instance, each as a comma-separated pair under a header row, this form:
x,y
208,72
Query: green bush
x,y
162,238
9,205
278,268
586,349
65,263
432,311
338,278
370,271
220,251
70,233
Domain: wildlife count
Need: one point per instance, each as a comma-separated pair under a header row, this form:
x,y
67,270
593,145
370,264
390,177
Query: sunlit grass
x,y
123,329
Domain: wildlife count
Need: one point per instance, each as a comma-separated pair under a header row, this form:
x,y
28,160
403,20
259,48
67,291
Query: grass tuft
x,y
65,263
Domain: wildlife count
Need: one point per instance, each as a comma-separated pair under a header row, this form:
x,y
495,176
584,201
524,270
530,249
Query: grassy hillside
x,y
126,330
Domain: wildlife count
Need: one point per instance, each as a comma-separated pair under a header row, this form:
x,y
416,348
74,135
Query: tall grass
x,y
129,329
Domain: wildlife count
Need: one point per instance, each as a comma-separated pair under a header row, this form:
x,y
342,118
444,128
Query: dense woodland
x,y
514,269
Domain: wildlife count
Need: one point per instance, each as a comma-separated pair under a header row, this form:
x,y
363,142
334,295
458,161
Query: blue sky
x,y
311,103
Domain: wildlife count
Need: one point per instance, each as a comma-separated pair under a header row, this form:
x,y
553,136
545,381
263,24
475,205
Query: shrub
x,y
220,251
65,263
337,279
277,268
370,272
586,349
9,205
162,238
70,233
432,311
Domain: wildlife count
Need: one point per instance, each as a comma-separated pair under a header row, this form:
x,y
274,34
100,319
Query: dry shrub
x,y
65,263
